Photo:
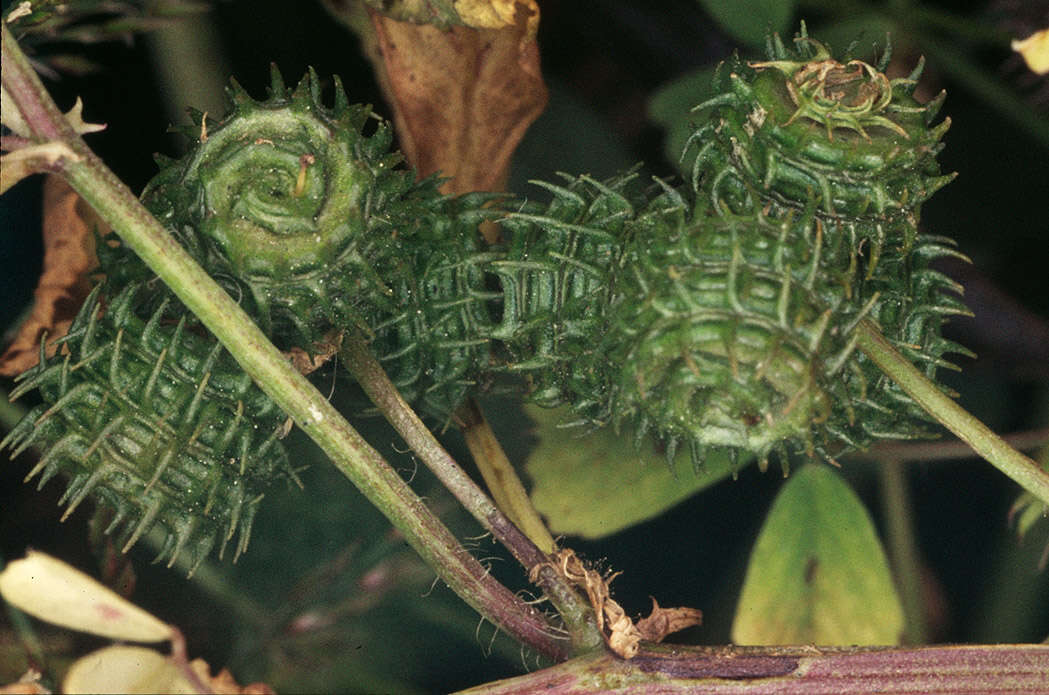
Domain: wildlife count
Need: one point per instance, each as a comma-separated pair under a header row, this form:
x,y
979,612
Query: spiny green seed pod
x,y
737,314
723,335
156,423
315,228
289,198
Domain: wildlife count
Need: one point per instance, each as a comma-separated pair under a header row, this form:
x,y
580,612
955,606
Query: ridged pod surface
x,y
434,337
801,220
557,277
156,423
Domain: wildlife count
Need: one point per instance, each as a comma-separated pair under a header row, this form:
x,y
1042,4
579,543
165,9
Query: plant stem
x,y
500,477
951,415
348,451
960,670
574,610
903,548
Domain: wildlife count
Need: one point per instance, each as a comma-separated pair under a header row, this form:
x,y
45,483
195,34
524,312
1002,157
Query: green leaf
x,y
749,21
597,484
818,574
865,35
671,107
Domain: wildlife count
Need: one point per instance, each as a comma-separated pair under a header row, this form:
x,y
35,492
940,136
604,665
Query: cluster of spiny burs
x,y
720,314
297,214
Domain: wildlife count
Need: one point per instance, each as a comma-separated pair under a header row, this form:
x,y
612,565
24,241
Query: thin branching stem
x,y
947,412
576,612
499,475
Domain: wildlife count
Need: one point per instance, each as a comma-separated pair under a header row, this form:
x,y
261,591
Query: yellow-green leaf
x,y
818,574
597,484
53,591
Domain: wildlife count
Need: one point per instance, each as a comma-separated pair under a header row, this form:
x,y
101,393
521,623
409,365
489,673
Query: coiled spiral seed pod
x,y
804,129
285,200
156,423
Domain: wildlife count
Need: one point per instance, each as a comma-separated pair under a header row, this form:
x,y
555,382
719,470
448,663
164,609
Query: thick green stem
x,y
951,415
348,451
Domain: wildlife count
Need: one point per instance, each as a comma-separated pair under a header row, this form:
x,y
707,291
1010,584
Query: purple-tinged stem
x,y
664,670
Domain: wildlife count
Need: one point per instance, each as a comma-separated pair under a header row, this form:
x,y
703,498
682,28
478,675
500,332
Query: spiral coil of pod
x,y
316,228
156,423
286,202
725,340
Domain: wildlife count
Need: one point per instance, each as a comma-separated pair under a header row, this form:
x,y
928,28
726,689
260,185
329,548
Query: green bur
x,y
157,424
315,228
737,317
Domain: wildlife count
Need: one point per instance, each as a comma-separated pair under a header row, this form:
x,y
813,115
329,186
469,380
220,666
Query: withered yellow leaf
x,y
497,14
123,669
49,589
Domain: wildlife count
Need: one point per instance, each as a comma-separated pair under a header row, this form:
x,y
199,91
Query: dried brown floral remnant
x,y
621,635
462,97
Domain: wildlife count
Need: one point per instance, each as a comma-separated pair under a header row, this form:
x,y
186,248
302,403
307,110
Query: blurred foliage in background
x,y
327,598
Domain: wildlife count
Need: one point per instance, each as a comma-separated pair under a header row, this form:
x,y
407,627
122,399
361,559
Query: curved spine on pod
x,y
156,423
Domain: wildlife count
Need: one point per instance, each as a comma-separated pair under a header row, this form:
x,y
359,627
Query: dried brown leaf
x,y
665,621
69,256
462,97
619,631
